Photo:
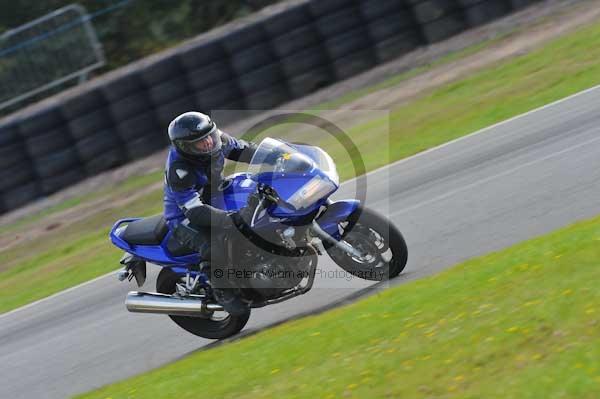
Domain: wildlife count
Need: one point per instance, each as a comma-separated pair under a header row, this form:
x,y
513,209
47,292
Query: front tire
x,y
206,327
376,236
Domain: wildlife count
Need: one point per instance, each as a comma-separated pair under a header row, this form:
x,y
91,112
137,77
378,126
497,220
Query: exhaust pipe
x,y
152,302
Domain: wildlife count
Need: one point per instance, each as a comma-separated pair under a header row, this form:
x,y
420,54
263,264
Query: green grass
x,y
403,76
76,253
562,67
519,323
128,185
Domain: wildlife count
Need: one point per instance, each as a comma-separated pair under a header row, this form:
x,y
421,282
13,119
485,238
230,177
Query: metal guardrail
x,y
47,52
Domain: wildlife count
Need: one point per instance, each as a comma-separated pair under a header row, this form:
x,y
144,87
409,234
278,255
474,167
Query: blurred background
x,y
127,30
129,69
87,90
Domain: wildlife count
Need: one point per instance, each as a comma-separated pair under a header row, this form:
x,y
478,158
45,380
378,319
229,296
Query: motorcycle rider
x,y
194,170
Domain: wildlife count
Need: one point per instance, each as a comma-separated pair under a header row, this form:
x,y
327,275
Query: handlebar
x,y
267,192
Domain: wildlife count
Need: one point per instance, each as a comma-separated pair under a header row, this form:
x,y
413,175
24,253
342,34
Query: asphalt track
x,y
509,182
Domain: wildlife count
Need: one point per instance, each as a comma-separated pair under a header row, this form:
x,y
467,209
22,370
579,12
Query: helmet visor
x,y
205,145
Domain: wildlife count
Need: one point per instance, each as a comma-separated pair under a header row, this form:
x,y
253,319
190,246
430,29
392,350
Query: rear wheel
x,y
384,248
213,325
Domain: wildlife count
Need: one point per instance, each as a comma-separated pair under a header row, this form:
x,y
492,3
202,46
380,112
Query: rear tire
x,y
375,235
202,327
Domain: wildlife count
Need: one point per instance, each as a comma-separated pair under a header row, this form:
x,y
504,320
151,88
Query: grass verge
x,y
522,322
560,68
126,187
79,253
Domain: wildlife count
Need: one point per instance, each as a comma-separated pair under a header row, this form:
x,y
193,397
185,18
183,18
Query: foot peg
x,y
134,267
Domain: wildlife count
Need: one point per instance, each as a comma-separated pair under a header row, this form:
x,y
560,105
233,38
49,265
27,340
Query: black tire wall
x,y
285,51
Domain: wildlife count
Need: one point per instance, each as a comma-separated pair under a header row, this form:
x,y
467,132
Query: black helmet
x,y
195,134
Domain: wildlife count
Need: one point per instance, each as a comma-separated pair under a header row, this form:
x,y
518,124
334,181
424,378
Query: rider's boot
x,y
230,300
223,291
201,240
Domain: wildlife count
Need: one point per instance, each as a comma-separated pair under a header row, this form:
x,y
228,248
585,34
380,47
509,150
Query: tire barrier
x,y
207,76
15,175
12,154
121,87
134,104
50,142
285,51
140,134
480,12
165,112
9,133
14,162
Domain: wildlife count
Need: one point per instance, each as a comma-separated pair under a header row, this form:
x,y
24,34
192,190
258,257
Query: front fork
x,y
340,244
325,227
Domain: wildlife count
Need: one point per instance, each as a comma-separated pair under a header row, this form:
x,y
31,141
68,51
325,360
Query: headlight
x,y
313,190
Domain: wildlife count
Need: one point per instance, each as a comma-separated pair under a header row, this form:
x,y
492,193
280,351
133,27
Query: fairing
x,y
157,254
233,196
336,213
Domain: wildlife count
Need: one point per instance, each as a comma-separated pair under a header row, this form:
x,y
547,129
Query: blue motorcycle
x,y
273,255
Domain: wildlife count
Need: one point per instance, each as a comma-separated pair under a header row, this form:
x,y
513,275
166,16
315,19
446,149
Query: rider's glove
x,y
205,215
188,236
243,217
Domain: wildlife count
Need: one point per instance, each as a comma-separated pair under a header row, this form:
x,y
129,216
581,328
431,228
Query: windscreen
x,y
274,156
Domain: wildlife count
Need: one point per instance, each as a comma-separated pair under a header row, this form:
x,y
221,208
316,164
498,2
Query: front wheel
x,y
384,248
216,325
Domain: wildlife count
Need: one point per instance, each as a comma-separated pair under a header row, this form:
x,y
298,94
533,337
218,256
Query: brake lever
x,y
272,198
268,193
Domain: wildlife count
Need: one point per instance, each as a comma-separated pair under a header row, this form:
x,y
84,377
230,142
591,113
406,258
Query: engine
x,y
272,274
270,262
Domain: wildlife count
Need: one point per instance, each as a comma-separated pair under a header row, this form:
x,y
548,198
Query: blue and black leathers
x,y
189,182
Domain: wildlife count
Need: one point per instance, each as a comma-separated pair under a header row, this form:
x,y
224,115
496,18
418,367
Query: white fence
x,y
47,52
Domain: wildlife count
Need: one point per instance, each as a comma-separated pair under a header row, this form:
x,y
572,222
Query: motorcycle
x,y
293,222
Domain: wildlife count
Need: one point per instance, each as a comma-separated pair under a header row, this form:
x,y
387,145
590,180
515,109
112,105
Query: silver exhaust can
x,y
152,302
